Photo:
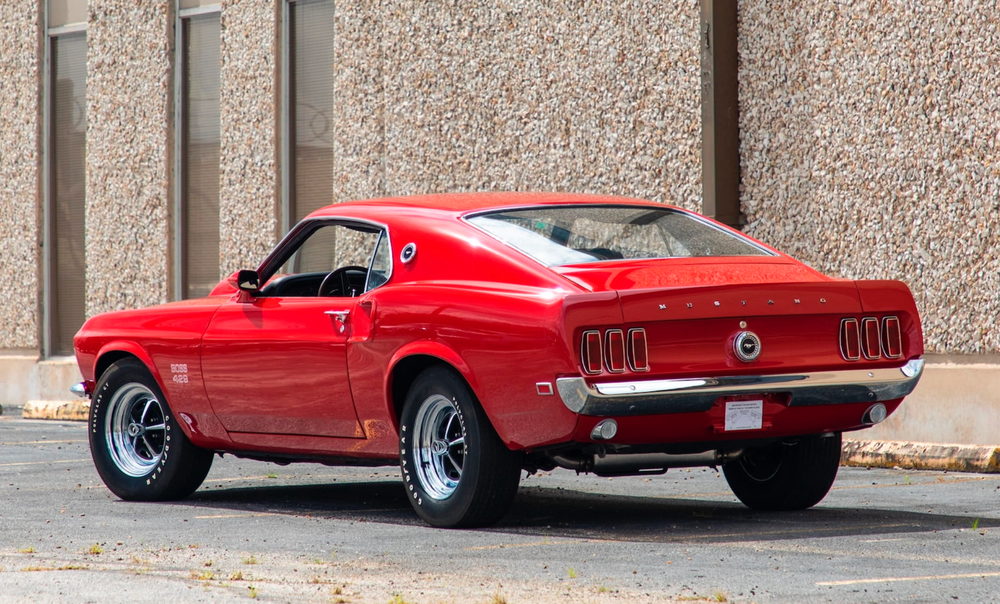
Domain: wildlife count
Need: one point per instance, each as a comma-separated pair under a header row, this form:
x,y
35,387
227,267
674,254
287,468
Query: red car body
x,y
325,378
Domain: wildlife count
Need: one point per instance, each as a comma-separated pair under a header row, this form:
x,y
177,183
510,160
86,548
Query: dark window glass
x,y
67,159
200,155
580,234
310,106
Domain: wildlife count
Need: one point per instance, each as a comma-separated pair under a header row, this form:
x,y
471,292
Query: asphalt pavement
x,y
310,533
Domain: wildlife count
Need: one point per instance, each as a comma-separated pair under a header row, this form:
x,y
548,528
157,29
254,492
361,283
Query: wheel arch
x,y
115,351
409,362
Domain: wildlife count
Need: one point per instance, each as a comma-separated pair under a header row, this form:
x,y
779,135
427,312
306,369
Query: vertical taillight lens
x,y
892,338
615,350
850,340
638,357
871,342
590,352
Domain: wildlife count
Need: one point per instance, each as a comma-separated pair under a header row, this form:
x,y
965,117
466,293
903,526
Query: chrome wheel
x,y
135,430
438,446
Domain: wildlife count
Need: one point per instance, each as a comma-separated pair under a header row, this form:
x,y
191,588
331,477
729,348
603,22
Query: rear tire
x,y
137,445
456,470
789,475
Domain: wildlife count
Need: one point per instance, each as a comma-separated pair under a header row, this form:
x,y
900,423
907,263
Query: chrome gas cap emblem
x,y
747,346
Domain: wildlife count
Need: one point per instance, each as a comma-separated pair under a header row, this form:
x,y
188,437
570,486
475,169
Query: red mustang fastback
x,y
468,337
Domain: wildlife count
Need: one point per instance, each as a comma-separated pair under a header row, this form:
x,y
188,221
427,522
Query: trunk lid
x,y
694,309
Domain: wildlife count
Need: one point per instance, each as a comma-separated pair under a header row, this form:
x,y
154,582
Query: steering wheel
x,y
338,282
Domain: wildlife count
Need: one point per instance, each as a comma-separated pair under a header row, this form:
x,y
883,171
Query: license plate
x,y
744,415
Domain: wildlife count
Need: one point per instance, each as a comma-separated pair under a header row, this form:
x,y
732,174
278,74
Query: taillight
x,y
871,341
850,340
615,350
892,339
638,357
591,351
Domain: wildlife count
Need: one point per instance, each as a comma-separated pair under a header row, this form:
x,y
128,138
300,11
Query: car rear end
x,y
718,345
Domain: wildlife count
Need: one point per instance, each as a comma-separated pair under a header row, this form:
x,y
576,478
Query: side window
x,y
332,261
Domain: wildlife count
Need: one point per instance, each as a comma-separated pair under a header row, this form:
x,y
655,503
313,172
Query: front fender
x,y
132,348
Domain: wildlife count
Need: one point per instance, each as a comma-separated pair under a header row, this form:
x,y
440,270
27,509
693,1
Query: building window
x,y
65,167
196,255
308,123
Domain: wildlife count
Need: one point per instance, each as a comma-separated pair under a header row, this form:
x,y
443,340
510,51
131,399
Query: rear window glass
x,y
578,234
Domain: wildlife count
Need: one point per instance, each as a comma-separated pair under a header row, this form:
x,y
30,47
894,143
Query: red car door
x,y
278,365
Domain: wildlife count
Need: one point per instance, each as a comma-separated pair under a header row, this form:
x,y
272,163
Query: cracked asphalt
x,y
310,533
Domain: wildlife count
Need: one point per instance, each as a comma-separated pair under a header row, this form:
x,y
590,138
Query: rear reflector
x,y
590,353
638,357
892,339
615,350
871,341
850,340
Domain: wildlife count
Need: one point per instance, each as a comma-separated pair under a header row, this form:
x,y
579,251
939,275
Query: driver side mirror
x,y
248,281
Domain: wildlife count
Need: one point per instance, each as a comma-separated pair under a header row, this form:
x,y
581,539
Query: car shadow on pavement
x,y
571,514
581,515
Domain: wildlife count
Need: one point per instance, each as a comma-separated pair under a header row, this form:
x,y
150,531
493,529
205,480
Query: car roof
x,y
462,203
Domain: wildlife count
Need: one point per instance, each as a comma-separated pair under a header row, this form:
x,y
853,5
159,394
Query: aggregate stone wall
x,y
870,142
248,154
19,167
592,96
128,114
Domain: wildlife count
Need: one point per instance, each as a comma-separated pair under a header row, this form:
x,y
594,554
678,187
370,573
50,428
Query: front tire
x,y
789,475
137,445
456,470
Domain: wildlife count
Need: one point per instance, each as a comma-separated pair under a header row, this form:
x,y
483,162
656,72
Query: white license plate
x,y
744,415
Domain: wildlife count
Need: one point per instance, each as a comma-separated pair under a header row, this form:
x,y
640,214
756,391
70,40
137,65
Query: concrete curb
x,y
61,410
984,459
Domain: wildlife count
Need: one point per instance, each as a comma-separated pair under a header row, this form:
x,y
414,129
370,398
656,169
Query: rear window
x,y
578,234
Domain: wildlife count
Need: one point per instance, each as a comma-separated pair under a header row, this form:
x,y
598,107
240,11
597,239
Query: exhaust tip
x,y
874,414
604,430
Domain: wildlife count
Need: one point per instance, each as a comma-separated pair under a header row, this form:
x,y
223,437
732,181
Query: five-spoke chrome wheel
x,y
456,470
139,449
135,430
439,446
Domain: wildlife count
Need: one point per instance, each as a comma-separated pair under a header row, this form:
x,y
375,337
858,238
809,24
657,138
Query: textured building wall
x,y
19,201
128,115
593,96
871,149
590,96
359,108
248,155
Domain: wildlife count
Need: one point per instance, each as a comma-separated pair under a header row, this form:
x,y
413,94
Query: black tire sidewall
x,y
451,511
167,479
806,472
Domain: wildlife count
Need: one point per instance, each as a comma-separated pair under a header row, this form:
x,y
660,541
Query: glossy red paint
x,y
280,376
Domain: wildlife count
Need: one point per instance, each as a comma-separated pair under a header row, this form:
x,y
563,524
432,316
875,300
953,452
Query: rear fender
x,y
430,349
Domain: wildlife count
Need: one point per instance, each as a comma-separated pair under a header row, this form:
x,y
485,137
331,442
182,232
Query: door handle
x,y
340,316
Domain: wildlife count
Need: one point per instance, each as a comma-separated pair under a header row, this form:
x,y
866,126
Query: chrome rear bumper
x,y
652,397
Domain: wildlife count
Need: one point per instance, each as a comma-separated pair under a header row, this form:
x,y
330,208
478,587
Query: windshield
x,y
577,234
